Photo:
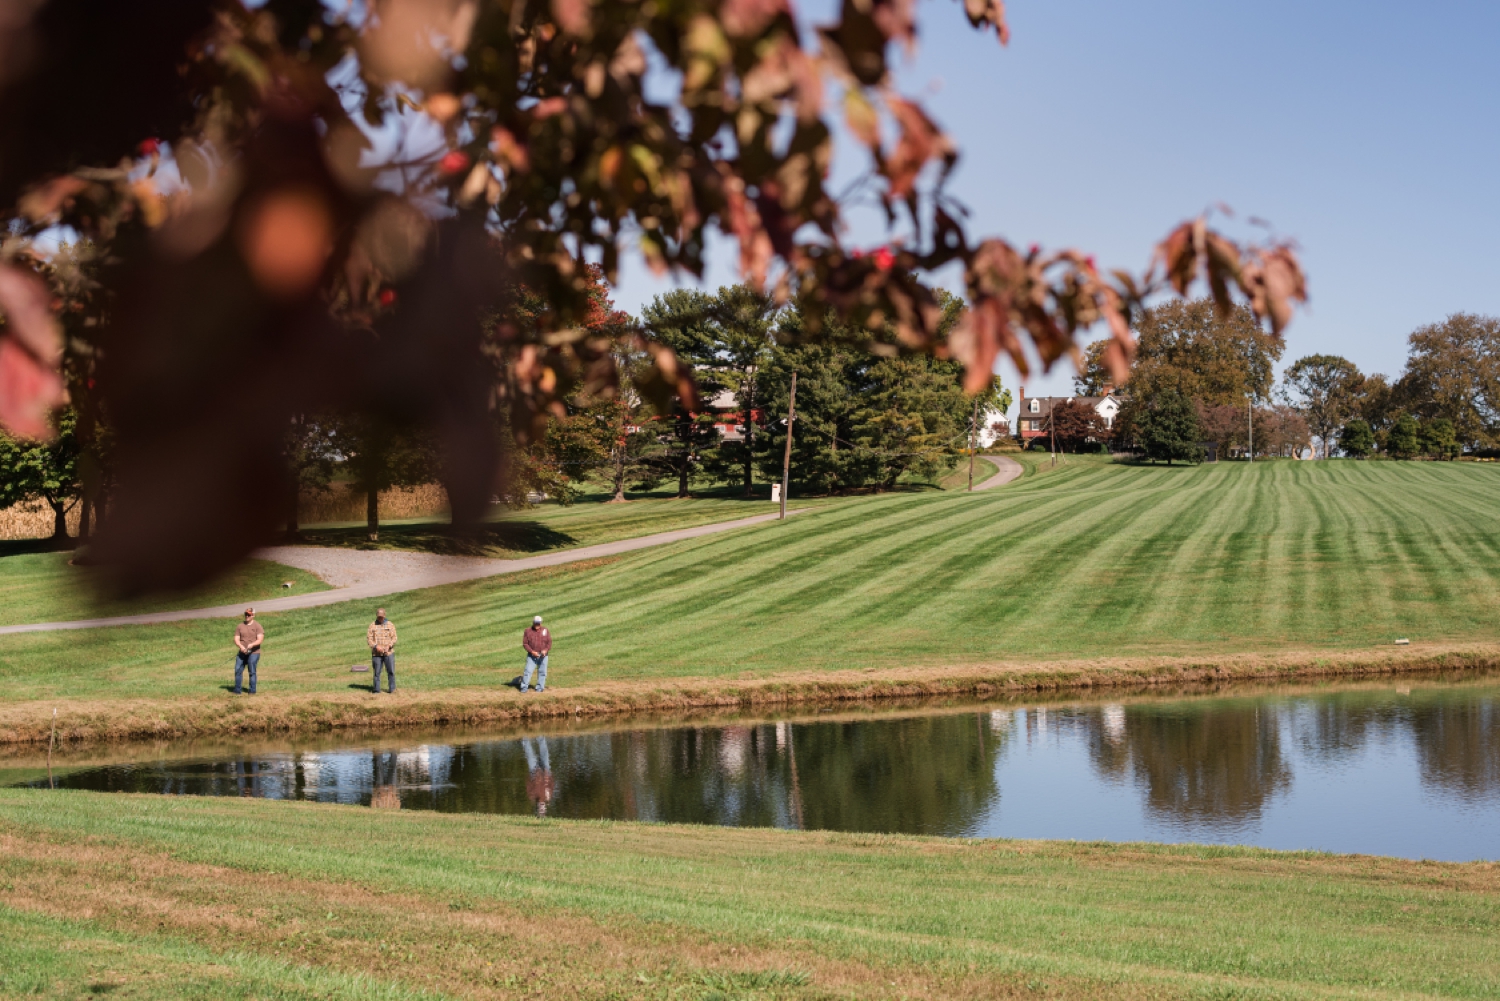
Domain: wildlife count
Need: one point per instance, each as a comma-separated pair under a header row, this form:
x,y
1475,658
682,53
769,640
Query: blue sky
x,y
1368,132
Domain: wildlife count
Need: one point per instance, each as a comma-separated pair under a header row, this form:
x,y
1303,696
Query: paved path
x,y
341,567
1005,471
431,571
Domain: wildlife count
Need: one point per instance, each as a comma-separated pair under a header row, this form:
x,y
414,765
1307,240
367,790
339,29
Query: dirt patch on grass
x,y
221,715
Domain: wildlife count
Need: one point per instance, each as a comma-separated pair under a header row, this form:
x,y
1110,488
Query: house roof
x,y
1047,403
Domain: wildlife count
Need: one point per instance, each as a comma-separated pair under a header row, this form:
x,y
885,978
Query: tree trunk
x,y
85,519
749,403
293,506
59,519
685,464
619,497
372,514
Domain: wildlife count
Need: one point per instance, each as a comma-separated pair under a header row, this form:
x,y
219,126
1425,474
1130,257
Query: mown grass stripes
x,y
1090,559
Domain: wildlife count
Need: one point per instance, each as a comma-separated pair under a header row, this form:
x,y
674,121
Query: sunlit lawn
x,y
150,897
1086,560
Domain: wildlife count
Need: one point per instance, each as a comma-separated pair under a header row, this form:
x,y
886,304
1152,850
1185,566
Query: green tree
x,y
1167,428
1218,359
743,323
683,320
1094,378
1326,389
310,455
1356,439
917,419
1404,439
48,471
832,380
1438,439
1376,405
378,455
1453,372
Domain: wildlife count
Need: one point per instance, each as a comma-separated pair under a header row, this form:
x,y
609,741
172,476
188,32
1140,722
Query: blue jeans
x,y
539,665
241,661
388,661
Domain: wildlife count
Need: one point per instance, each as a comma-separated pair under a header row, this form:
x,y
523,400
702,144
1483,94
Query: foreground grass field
x,y
1091,560
147,897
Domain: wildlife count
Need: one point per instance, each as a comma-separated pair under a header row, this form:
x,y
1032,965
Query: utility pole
x,y
1052,427
1250,423
973,433
786,459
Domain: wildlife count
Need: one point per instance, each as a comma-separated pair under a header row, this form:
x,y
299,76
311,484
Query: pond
x,y
1406,767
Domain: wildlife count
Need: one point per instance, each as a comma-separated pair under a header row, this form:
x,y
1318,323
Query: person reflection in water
x,y
383,794
539,773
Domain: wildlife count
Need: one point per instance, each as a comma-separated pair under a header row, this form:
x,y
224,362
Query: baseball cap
x,y
536,620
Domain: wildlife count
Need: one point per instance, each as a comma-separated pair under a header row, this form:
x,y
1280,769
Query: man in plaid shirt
x,y
382,639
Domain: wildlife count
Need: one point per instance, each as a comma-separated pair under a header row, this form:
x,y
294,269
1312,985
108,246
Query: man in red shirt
x,y
537,642
248,636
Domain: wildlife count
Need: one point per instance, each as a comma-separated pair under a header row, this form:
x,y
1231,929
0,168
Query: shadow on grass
x,y
431,537
26,547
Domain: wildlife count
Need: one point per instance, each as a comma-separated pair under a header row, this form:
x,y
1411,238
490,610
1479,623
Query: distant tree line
x,y
869,416
1202,377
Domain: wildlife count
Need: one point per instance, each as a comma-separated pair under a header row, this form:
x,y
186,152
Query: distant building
x,y
729,420
993,426
1036,411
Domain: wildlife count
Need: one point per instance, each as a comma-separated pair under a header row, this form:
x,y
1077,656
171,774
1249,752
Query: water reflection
x,y
1213,765
1376,770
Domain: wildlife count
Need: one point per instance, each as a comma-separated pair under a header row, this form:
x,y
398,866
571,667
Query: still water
x,y
1408,768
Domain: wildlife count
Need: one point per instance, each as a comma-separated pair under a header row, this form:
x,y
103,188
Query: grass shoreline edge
x,y
122,720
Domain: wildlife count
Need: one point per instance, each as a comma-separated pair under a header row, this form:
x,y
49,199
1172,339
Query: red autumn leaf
x,y
1179,255
1273,279
884,259
388,297
150,147
991,12
920,141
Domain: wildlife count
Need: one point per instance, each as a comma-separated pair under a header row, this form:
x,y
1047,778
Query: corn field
x,y
33,520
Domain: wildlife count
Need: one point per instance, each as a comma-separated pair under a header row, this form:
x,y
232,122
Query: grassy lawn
x,y
1090,559
148,897
588,521
38,585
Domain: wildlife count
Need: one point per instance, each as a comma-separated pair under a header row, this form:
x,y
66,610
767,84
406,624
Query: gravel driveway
x,y
349,567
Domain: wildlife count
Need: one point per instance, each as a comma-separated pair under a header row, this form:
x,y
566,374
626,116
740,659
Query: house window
x,y
1036,406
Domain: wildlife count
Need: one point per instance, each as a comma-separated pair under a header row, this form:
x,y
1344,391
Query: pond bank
x,y
87,720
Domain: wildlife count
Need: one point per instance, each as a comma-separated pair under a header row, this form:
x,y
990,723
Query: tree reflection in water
x,y
1208,766
930,775
1458,745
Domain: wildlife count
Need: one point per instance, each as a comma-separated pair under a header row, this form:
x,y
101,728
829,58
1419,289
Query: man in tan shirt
x,y
248,636
382,639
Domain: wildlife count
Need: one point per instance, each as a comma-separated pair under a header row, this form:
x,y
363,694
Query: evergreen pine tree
x,y
1167,428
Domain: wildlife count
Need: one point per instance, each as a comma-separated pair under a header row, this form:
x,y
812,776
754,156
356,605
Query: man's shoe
x,y
540,690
